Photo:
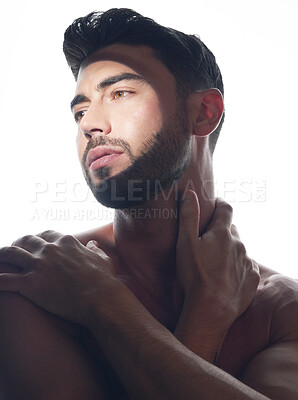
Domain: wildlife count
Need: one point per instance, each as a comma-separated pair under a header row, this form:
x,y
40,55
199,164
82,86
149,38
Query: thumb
x,y
92,244
189,216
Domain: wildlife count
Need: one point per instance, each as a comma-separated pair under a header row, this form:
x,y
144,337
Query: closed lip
x,y
98,152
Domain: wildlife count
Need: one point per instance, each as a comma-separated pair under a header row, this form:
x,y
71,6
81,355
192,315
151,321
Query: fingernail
x,y
187,197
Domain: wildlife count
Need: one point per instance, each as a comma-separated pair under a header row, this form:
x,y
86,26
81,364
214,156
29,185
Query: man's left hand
x,y
218,278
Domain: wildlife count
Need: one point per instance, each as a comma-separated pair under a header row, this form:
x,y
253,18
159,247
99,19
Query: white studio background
x,y
255,43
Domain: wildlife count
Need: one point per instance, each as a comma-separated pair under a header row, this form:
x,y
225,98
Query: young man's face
x,y
133,134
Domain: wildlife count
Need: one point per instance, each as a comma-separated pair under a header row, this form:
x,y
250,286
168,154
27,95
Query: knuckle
x,y
224,206
22,240
46,233
67,240
48,249
234,231
241,249
225,236
253,270
228,208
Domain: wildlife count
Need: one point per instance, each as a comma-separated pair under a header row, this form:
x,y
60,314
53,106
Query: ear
x,y
206,108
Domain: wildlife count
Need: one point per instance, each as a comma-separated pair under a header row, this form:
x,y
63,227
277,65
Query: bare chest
x,y
249,334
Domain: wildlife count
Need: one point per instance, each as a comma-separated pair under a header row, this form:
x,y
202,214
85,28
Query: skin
x,y
170,299
156,99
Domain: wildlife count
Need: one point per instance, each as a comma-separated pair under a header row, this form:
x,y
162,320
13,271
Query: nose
x,y
94,123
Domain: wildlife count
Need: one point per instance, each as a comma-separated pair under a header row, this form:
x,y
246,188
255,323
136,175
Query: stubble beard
x,y
163,159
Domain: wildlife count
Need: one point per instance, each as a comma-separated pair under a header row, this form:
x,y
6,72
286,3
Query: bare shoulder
x,y
281,295
103,235
273,370
270,319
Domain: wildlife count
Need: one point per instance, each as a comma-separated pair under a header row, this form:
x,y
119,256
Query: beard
x,y
163,159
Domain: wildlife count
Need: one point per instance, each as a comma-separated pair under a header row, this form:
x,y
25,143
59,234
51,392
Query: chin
x,y
120,193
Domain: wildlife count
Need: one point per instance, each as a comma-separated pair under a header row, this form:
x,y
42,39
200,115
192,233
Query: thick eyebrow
x,y
80,98
117,78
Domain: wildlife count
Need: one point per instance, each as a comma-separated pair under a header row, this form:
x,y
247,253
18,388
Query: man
x,y
152,306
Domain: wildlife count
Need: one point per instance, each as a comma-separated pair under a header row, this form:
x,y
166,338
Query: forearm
x,y
151,362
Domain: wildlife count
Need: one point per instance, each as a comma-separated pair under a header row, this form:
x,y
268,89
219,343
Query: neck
x,y
145,236
149,231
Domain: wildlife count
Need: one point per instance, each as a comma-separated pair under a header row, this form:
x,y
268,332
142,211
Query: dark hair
x,y
186,56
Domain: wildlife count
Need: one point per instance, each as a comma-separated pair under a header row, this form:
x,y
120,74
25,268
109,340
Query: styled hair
x,y
192,64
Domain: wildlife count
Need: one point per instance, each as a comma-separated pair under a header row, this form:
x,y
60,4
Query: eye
x,y
79,115
119,94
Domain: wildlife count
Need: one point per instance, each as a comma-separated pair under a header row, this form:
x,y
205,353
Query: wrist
x,y
205,344
208,310
202,328
102,302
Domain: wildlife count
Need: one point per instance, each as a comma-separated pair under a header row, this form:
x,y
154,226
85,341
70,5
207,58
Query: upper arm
x,y
39,358
274,371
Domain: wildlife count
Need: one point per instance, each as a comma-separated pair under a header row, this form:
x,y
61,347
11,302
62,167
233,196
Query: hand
x,y
58,273
218,278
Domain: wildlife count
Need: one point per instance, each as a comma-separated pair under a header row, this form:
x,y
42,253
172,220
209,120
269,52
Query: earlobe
x,y
208,111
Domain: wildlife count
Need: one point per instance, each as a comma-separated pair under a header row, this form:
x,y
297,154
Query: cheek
x,y
81,143
144,121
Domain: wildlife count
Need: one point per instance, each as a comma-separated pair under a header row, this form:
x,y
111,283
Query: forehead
x,y
121,58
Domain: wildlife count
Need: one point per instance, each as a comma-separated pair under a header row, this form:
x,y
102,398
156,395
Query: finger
x,y
7,267
11,282
50,236
30,243
222,217
16,256
235,232
189,217
94,246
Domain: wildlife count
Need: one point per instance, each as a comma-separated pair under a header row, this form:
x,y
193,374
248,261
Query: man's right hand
x,y
218,278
